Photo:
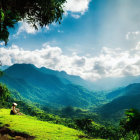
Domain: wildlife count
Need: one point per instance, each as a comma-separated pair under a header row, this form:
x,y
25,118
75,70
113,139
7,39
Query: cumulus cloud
x,y
109,63
76,6
138,46
29,29
25,27
79,61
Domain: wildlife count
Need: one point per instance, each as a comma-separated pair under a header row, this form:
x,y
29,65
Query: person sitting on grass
x,y
14,110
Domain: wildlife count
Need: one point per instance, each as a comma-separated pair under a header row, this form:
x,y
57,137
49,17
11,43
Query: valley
x,y
60,98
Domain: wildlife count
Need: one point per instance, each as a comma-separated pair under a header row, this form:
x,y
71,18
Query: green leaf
x,y
2,15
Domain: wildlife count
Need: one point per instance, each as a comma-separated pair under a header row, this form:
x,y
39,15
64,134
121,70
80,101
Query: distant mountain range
x,y
114,83
127,97
48,87
104,84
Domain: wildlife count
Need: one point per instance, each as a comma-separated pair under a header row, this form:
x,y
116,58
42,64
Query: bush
x,y
5,99
132,121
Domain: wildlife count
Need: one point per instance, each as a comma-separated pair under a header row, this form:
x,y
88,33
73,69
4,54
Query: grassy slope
x,y
40,129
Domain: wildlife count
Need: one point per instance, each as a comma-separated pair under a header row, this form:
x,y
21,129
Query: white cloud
x,y
75,16
50,43
132,35
29,29
109,63
77,5
138,46
25,27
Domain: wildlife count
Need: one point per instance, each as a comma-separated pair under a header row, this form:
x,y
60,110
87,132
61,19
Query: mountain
x,y
129,98
115,93
47,87
67,79
114,83
104,84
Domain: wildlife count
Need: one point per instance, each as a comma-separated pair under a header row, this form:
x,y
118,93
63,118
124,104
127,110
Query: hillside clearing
x,y
41,130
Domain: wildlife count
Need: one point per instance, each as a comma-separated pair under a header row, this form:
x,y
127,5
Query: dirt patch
x,y
7,134
83,137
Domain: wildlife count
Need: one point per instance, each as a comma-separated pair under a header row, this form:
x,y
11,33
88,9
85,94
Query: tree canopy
x,y
35,12
4,95
132,121
1,73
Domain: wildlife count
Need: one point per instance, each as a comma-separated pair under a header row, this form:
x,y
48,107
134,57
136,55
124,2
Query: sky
x,y
96,39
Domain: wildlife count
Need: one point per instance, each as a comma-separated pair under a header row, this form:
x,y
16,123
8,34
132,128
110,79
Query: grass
x,y
40,129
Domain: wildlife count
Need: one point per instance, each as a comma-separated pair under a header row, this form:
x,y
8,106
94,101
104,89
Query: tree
x,y
4,95
35,12
132,121
68,111
1,73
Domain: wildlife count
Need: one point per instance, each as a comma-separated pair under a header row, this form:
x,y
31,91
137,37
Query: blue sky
x,y
91,32
103,23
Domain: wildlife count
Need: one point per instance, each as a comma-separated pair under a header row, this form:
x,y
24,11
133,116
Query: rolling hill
x,y
129,97
27,127
47,87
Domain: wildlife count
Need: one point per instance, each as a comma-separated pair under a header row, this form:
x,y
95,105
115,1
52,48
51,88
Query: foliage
x,y
130,136
76,113
1,73
36,12
4,95
132,121
31,109
76,118
115,109
69,111
99,131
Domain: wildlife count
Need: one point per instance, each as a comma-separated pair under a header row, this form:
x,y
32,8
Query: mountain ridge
x,y
44,88
128,98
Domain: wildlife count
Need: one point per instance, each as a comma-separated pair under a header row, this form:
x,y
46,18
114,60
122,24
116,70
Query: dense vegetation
x,y
4,96
76,118
127,97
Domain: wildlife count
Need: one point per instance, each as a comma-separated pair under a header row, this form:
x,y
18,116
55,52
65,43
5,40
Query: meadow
x,y
41,130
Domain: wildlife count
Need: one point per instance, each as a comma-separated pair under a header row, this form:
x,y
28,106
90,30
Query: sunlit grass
x,y
40,129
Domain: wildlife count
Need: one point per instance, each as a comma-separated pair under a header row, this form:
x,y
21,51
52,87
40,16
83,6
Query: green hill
x,y
46,88
129,98
39,129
